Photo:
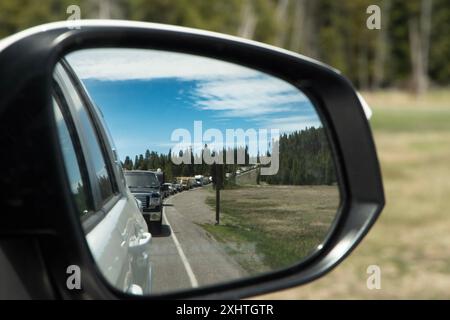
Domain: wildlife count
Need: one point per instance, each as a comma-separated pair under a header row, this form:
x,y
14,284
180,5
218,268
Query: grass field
x,y
271,227
411,240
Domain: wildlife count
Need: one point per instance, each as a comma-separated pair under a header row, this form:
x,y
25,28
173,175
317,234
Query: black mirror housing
x,y
37,203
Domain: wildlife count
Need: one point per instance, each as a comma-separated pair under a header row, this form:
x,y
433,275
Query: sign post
x,y
217,174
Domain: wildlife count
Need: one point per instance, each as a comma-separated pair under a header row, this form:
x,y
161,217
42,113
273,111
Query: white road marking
x,y
187,266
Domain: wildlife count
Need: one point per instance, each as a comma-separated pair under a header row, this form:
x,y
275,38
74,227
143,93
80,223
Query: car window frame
x,y
100,207
106,141
74,138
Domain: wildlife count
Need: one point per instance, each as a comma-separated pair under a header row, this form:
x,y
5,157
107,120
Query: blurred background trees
x,y
410,51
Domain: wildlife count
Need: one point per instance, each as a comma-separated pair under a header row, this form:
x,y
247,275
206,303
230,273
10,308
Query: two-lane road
x,y
183,254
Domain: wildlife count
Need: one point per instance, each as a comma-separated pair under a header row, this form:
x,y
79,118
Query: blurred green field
x,y
411,240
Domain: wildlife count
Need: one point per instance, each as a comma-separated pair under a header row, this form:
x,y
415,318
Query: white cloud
x,y
231,90
140,64
292,123
248,96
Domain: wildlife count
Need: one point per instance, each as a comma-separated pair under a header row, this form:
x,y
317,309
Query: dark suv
x,y
145,186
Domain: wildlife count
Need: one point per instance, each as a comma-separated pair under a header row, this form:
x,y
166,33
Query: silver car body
x,y
120,241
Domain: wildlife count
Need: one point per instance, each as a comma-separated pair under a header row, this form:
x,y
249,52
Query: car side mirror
x,y
317,171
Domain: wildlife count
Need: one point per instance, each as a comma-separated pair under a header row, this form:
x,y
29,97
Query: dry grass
x,y
411,240
272,227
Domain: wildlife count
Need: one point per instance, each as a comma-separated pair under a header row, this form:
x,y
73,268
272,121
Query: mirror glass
x,y
189,171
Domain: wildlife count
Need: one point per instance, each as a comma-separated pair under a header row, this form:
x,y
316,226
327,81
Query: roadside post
x,y
217,174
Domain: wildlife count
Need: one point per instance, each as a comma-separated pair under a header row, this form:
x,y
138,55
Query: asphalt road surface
x,y
183,254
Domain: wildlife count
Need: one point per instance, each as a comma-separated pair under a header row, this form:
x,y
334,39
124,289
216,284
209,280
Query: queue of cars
x,y
150,190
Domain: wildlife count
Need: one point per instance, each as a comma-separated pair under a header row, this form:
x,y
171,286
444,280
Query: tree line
x,y
152,160
409,51
304,159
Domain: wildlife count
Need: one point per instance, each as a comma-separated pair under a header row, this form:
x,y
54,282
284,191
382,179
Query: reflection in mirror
x,y
227,171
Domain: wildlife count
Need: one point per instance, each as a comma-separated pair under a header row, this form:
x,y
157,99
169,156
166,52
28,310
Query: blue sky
x,y
146,94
